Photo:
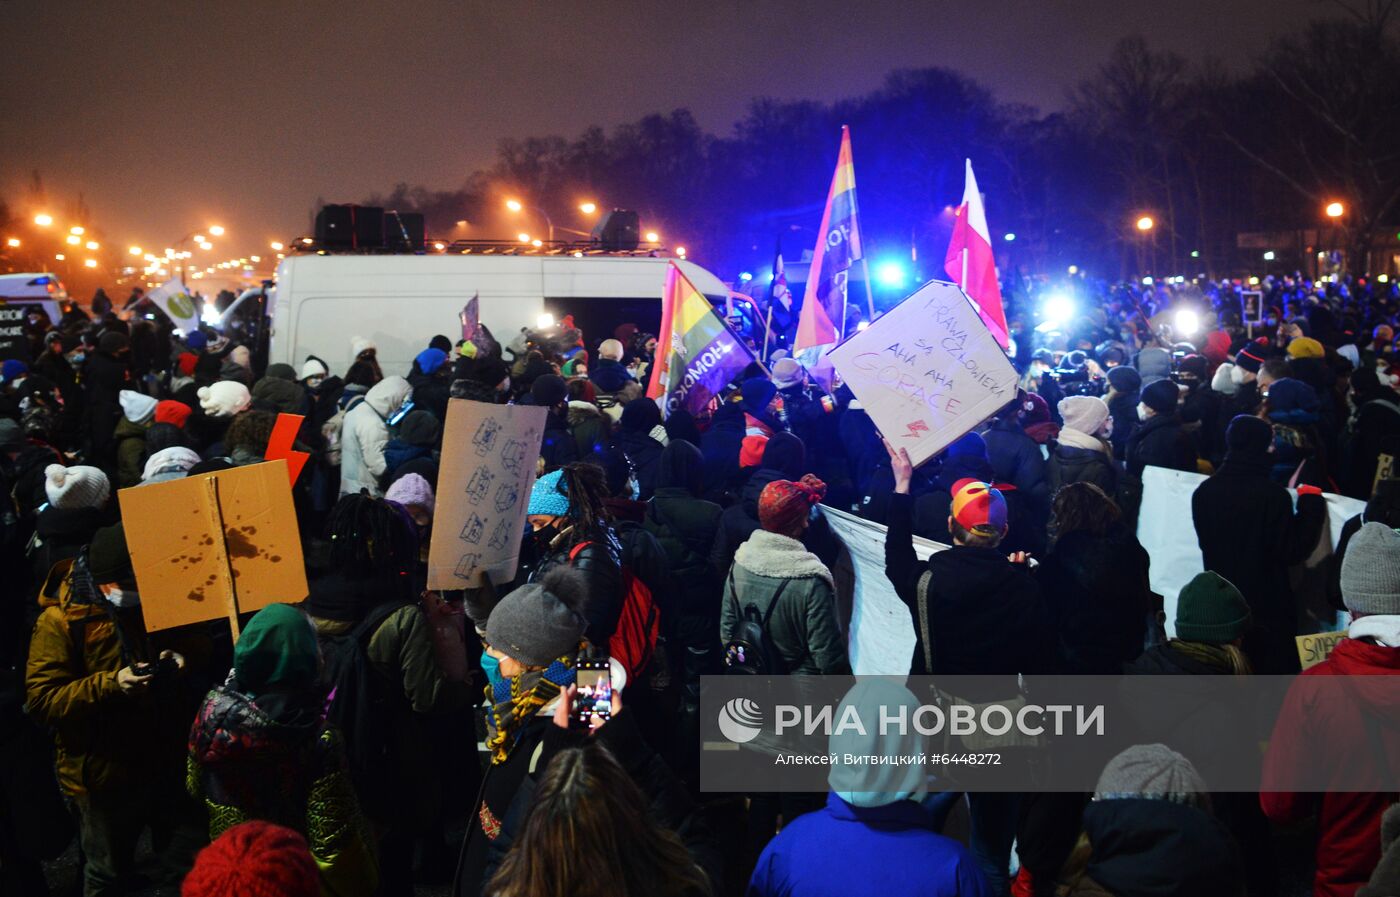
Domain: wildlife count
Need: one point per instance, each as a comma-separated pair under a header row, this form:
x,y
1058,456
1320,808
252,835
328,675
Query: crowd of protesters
x,y
333,747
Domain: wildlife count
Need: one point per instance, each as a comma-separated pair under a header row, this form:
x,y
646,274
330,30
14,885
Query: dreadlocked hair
x,y
587,488
371,538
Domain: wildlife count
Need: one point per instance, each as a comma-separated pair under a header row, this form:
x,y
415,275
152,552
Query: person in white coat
x,y
365,432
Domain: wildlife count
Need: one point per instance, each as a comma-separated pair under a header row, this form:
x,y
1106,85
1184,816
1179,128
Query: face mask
x,y
118,597
314,382
1142,411
491,666
76,358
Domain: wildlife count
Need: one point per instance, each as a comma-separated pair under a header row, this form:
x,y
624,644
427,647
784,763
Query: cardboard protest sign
x,y
1314,649
214,545
1252,304
13,341
928,371
482,495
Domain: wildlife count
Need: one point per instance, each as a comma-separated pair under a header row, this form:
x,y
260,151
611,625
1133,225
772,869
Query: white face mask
x,y
119,597
1143,411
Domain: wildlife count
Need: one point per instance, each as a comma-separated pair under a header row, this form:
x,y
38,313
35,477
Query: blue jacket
x,y
843,850
609,376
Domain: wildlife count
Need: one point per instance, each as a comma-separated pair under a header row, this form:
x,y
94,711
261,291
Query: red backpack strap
x,y
577,550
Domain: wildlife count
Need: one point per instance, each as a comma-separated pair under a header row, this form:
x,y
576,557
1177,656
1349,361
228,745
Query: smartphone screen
x,y
594,693
401,413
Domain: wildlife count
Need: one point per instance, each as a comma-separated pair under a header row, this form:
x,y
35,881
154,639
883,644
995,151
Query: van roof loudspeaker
x,y
618,231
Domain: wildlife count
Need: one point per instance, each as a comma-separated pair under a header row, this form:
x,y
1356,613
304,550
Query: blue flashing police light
x,y
890,274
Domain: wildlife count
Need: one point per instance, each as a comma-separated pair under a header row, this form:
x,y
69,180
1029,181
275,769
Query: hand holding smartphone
x,y
593,692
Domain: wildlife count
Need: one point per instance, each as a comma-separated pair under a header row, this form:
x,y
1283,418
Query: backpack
x,y
633,642
750,650
359,706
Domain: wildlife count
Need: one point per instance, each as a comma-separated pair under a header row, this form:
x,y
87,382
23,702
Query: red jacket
x,y
1318,729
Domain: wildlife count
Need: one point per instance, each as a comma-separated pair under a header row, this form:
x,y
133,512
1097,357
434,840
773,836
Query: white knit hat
x,y
358,345
1087,414
73,488
224,398
137,406
313,367
169,464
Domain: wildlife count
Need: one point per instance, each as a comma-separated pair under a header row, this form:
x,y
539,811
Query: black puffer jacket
x,y
1096,588
600,560
1070,464
686,526
1160,442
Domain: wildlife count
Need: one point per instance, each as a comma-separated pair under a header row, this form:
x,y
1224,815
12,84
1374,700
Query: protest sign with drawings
x,y
483,494
214,545
928,371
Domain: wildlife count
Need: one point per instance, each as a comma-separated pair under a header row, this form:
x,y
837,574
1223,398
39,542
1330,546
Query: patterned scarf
x,y
514,701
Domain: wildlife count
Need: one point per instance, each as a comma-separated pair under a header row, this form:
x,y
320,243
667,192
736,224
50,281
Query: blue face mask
x,y
491,666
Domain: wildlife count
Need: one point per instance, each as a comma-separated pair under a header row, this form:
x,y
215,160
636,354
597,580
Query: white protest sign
x,y
1167,531
928,371
882,629
482,495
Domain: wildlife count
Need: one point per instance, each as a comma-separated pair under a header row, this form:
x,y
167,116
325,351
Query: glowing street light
x,y
206,246
60,256
199,238
523,237
653,237
255,259
1145,223
1335,210
680,252
134,250
92,244
13,242
439,246
537,243
74,239
43,220
588,208
307,241
90,263
276,246
514,205
75,229
216,230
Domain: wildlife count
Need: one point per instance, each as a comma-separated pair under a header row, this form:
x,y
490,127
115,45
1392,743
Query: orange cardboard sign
x,y
214,545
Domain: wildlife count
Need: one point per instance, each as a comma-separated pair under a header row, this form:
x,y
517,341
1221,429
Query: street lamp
x,y
76,230
680,252
276,246
523,237
1145,223
588,208
92,244
43,220
216,230
515,205
73,239
90,263
13,242
1334,210
652,236
135,250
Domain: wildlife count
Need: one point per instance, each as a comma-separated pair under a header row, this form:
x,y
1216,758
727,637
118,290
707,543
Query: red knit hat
x,y
783,504
186,362
170,411
254,859
751,451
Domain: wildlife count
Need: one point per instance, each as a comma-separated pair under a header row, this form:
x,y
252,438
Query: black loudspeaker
x,y
403,231
350,227
618,231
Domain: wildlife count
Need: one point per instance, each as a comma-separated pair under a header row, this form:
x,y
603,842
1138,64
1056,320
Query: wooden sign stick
x,y
216,523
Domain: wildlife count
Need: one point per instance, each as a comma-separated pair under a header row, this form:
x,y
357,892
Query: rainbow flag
x,y
698,354
824,302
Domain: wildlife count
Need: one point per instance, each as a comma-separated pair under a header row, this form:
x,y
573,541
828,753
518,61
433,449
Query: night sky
x,y
168,116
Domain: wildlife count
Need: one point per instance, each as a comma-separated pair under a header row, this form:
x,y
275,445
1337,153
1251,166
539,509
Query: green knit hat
x,y
1210,609
277,651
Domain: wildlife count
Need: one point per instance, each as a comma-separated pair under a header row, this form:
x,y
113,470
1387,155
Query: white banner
x,y
881,639
175,301
1167,531
928,371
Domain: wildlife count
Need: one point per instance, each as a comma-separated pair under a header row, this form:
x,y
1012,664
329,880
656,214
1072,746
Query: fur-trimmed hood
x,y
780,557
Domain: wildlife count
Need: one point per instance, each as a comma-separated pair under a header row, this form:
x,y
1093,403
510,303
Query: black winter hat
x,y
109,560
112,342
1125,379
549,390
1161,396
419,428
441,342
1248,435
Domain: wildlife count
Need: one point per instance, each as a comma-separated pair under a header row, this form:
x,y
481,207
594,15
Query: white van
x,y
399,302
41,289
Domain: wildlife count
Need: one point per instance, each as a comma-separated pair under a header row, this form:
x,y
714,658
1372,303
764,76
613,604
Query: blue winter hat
x,y
757,393
549,496
1292,401
13,369
196,341
970,445
429,360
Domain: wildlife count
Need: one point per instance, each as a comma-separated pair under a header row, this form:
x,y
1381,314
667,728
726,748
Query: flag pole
x,y
869,294
768,328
